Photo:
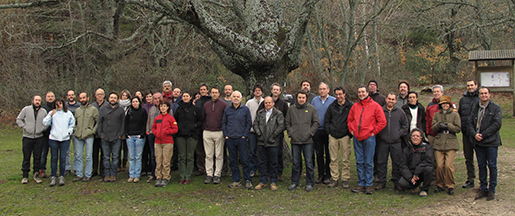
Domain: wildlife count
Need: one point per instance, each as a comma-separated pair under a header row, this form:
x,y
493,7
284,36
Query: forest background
x,y
56,45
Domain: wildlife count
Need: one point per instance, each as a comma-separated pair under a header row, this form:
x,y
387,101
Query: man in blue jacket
x,y
236,125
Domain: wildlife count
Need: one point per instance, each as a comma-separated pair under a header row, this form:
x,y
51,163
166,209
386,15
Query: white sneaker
x,y
24,180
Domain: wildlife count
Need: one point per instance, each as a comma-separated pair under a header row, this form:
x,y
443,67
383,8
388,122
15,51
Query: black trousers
x,y
98,157
31,147
425,177
383,150
321,144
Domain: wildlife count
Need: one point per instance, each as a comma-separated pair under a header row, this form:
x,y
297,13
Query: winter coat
x,y
31,124
415,158
111,121
85,122
379,98
301,123
366,117
62,125
335,120
421,116
268,133
446,140
466,103
164,127
189,120
396,126
490,125
432,108
236,122
136,122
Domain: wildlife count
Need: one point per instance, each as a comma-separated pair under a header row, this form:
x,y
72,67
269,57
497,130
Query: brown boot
x,y
333,184
358,189
368,190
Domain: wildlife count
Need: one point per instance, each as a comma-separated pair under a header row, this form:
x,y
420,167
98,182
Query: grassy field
x,y
124,198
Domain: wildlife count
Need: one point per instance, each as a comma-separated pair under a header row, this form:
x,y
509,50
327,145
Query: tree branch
x,y
28,5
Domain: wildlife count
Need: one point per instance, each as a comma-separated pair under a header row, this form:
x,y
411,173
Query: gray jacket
x,y
32,125
268,131
302,123
111,123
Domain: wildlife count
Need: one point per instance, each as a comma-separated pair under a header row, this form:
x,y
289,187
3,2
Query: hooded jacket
x,y
111,121
490,125
465,109
31,124
62,125
85,122
335,120
421,115
396,126
164,127
236,121
301,123
268,131
189,120
415,158
446,140
366,117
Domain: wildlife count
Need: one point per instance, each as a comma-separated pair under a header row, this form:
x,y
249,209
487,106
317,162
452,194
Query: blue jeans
x,y
364,151
235,146
307,151
487,156
268,163
111,162
151,140
78,149
253,160
58,150
135,146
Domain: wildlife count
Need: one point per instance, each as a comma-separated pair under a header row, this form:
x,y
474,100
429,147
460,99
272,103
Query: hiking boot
x,y
358,189
136,180
438,189
481,194
333,184
113,178
468,184
130,180
53,181
293,187
319,180
309,188
260,186
422,194
491,196
85,179
216,180
181,182
345,185
42,173
248,184
208,180
368,190
234,185
273,187
61,180
326,181
164,182
450,191
76,179
187,182
106,179
150,179
158,183
25,180
380,187
36,178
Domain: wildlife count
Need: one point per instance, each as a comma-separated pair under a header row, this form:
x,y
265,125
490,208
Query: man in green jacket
x,y
84,134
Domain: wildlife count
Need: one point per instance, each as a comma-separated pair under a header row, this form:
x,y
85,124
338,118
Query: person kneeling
x,y
416,162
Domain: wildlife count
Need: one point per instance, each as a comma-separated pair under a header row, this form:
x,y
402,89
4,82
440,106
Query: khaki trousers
x,y
214,145
163,153
340,147
445,168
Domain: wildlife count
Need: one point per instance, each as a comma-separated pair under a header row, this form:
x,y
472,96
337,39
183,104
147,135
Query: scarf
x,y
481,114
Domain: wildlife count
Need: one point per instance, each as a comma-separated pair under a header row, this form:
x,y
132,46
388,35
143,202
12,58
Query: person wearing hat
x,y
373,89
446,124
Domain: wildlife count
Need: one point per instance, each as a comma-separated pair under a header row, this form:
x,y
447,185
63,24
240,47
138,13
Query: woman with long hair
x,y
135,125
62,123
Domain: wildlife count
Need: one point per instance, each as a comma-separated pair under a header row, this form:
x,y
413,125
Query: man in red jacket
x,y
366,119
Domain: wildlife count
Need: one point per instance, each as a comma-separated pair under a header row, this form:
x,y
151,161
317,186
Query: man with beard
x,y
83,136
228,92
48,106
175,99
30,120
200,153
402,98
306,86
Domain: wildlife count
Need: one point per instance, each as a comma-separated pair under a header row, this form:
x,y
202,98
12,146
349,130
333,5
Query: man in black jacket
x,y
200,153
268,125
335,121
483,126
415,164
470,97
390,141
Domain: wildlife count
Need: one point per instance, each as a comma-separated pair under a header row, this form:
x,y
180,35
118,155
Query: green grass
x,y
124,198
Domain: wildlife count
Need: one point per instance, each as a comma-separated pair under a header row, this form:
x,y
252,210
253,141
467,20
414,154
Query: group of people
x,y
195,132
